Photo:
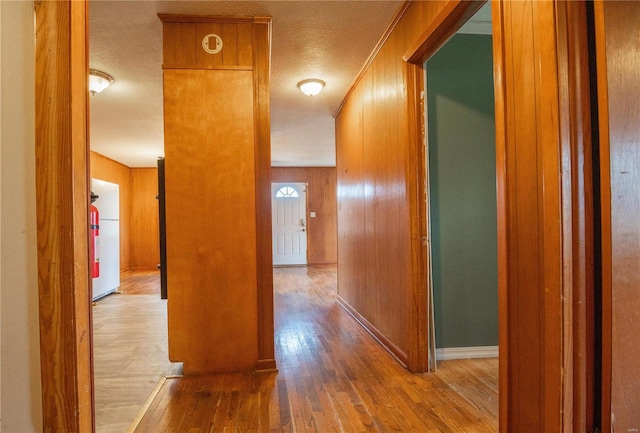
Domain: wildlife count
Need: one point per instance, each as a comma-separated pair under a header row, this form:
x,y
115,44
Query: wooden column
x,y
62,212
217,168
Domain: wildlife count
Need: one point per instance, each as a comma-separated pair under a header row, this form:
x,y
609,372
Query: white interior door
x,y
289,207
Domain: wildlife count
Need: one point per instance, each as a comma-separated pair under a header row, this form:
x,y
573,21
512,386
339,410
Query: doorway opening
x,y
461,183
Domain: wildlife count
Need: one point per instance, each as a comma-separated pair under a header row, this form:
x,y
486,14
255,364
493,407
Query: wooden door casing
x,y
545,215
62,197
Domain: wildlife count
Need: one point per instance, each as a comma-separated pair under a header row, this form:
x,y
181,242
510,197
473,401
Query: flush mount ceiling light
x,y
311,87
98,81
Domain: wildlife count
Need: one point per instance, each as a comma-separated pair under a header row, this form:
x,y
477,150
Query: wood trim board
x,y
62,197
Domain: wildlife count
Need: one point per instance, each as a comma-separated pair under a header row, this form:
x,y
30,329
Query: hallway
x,y
333,376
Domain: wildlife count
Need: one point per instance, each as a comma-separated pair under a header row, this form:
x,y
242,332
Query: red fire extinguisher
x,y
94,241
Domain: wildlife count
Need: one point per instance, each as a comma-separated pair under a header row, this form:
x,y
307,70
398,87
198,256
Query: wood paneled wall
x,y
321,199
619,107
180,51
139,245
545,223
144,227
376,170
112,171
543,163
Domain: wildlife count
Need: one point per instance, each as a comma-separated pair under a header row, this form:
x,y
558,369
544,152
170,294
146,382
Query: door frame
x,y
306,215
553,268
557,257
62,210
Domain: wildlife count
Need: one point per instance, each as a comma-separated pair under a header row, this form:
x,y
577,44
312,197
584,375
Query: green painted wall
x,y
463,192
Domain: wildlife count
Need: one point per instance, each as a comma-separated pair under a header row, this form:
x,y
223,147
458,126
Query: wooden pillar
x,y
217,174
62,213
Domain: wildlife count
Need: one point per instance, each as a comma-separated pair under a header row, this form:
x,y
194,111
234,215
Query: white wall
x,y
20,386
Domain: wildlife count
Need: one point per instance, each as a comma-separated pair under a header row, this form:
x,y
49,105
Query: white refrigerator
x,y
108,204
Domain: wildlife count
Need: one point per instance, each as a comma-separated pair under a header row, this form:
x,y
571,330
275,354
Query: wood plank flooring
x,y
333,377
144,282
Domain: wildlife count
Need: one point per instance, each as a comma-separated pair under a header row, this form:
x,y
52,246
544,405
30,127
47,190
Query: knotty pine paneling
x,y
321,199
375,277
112,171
144,238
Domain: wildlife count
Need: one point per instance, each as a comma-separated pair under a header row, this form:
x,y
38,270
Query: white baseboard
x,y
446,353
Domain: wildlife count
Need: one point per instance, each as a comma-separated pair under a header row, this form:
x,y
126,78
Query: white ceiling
x,y
330,40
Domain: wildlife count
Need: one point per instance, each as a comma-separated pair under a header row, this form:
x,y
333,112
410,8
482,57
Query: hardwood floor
x,y
145,282
333,377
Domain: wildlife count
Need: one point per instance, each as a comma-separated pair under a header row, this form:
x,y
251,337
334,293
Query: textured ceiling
x,y
330,40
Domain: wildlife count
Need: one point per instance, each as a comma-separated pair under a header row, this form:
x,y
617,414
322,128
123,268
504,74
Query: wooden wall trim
x,y
392,25
504,261
579,326
415,162
217,68
99,155
262,67
184,18
503,214
401,356
448,21
62,212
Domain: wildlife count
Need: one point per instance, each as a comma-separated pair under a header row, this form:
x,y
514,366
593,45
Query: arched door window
x,y
286,192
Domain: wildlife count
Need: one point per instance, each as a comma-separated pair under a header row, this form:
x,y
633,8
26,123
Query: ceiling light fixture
x,y
98,81
311,87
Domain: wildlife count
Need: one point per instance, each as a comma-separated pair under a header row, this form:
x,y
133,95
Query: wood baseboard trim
x,y
389,346
446,353
266,366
